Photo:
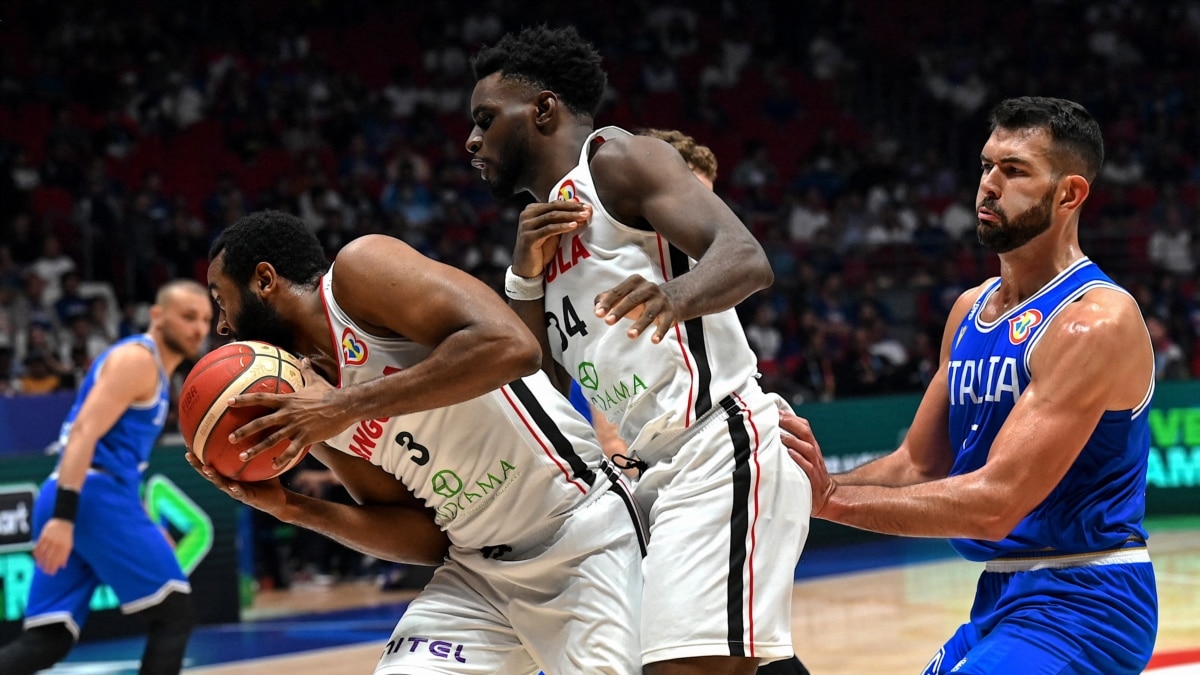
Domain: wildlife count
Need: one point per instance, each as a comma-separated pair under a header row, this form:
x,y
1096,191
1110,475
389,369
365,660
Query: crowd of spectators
x,y
132,132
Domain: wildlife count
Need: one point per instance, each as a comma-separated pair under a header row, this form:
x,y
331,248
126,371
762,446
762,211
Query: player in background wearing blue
x,y
1029,448
89,524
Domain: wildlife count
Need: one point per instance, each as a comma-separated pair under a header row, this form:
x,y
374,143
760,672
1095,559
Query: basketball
x,y
206,421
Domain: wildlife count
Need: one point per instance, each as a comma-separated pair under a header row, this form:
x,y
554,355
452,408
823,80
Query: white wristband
x,y
523,288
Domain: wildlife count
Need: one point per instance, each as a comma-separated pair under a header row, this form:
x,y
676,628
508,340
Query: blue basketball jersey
x,y
124,452
1100,502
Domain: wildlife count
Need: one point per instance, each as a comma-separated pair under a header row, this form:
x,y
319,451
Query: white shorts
x,y
728,514
569,605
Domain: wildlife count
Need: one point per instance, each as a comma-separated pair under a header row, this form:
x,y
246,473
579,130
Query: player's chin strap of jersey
x,y
621,489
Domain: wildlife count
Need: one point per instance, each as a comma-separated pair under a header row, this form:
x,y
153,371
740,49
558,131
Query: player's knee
x,y
36,649
173,616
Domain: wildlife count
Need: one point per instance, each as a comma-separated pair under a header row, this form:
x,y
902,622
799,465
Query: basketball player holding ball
x,y
88,522
453,443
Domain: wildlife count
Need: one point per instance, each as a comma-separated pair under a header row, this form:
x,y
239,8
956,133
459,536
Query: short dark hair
x,y
275,237
1079,147
557,59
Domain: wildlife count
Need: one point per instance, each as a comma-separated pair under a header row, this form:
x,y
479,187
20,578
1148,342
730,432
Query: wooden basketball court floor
x,y
858,610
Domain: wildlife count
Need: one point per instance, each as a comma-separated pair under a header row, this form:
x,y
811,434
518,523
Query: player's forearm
x,y
401,534
944,508
727,274
76,460
892,470
466,365
533,315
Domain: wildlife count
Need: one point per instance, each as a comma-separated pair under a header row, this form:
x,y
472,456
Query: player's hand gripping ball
x,y
205,419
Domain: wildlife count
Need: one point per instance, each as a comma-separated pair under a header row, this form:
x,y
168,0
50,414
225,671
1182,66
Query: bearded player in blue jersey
x,y
88,522
1029,448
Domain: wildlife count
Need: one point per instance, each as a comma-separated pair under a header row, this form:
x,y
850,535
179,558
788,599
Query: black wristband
x,y
66,504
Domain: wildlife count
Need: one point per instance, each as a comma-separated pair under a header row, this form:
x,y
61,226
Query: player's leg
x,y
953,651
453,628
791,666
578,608
58,603
1099,619
36,648
729,508
169,624
132,555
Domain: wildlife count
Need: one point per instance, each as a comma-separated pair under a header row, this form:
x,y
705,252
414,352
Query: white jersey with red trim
x,y
497,469
649,391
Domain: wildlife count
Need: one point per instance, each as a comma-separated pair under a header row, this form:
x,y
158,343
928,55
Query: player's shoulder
x,y
366,249
1101,314
131,354
626,156
129,365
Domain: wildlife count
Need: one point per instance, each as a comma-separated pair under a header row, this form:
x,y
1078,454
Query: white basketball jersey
x,y
646,389
496,469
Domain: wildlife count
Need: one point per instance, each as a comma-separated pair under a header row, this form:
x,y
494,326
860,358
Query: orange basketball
x,y
206,421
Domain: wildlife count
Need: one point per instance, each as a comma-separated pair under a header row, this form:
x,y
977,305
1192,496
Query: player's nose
x,y
474,141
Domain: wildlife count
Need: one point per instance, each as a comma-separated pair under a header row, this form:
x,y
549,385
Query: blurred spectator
x,y
960,216
1170,247
51,265
71,302
808,216
1169,360
39,376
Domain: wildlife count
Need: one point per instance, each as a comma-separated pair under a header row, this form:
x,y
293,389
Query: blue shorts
x,y
1097,620
115,544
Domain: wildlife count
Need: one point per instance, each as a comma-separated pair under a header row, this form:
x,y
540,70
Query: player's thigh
x,y
953,651
452,628
728,522
580,609
63,597
1019,647
131,553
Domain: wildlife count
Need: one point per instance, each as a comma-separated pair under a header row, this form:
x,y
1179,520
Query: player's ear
x,y
266,279
547,107
1072,191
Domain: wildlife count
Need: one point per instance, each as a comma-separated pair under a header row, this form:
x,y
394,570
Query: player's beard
x,y
1008,235
177,346
509,168
258,320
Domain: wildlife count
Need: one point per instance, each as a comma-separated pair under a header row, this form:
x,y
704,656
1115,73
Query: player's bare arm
x,y
130,374
643,182
1094,357
388,522
478,344
923,456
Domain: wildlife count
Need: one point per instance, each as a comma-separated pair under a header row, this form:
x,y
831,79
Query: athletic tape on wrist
x,y
523,288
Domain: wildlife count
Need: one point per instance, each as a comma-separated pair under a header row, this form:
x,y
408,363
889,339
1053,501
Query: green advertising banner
x,y
857,431
201,521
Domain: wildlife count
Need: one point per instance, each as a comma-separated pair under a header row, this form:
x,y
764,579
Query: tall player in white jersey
x,y
453,444
623,240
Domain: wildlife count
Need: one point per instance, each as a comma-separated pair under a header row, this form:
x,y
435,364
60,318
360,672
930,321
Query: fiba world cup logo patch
x,y
1020,326
566,192
354,351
